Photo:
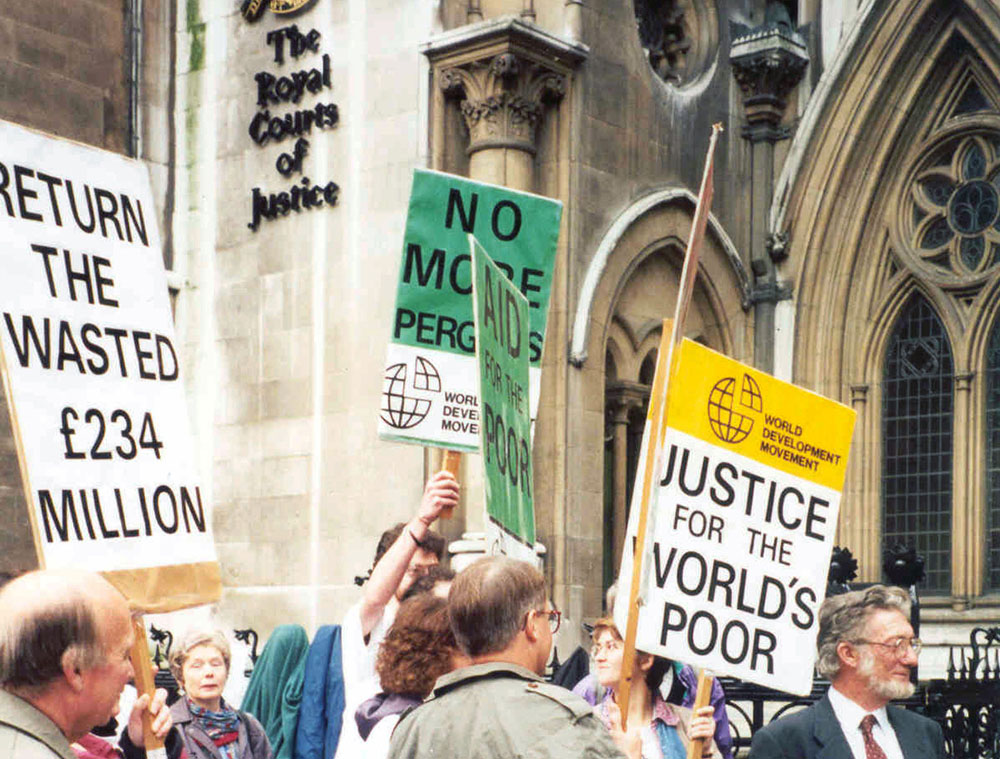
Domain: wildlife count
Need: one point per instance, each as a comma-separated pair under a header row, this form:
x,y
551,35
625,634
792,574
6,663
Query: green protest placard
x,y
502,346
430,390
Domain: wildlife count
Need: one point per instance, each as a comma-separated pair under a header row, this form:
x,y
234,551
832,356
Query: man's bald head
x,y
49,619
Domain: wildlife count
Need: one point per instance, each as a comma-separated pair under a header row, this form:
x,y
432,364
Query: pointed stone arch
x,y
913,75
629,286
656,221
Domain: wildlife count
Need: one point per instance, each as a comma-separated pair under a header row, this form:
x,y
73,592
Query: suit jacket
x,y
815,733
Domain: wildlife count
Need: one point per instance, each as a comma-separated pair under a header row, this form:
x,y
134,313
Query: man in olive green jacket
x,y
500,706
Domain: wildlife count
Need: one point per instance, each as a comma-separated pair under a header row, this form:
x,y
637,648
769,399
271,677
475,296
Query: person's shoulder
x,y
900,716
250,719
16,742
253,724
514,685
179,711
787,736
556,695
260,744
803,719
586,688
27,732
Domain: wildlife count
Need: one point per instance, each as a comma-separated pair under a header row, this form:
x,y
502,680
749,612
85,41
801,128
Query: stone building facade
x,y
853,248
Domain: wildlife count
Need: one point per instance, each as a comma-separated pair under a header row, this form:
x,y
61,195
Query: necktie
x,y
872,749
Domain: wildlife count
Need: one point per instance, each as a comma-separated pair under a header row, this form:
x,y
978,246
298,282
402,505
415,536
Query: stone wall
x,y
284,328
62,71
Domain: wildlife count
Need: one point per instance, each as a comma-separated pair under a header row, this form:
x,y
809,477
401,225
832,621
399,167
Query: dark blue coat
x,y
322,709
815,733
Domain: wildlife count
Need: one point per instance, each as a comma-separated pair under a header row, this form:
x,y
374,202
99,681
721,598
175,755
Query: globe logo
x,y
405,404
729,416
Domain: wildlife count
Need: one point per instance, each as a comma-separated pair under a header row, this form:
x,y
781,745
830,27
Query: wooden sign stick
x,y
666,360
450,462
655,417
145,683
696,747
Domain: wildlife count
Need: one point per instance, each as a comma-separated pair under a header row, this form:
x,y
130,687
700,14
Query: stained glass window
x,y
956,205
917,414
993,460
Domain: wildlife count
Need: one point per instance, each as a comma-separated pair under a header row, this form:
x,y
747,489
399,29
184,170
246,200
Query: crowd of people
x,y
439,665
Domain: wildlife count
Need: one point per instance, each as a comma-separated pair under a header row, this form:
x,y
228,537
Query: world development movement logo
x,y
407,396
731,415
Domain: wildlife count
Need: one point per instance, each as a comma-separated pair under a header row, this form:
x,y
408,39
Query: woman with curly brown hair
x,y
416,651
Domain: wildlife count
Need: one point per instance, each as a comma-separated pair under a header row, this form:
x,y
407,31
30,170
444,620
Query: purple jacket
x,y
587,690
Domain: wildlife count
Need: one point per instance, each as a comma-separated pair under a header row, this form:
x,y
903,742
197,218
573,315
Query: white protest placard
x,y
746,505
91,371
430,392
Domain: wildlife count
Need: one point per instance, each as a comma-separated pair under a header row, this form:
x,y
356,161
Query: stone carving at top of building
x,y
768,61
777,246
679,37
502,99
502,74
662,33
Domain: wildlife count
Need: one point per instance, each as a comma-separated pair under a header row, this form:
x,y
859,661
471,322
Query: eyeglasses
x,y
608,647
554,616
898,646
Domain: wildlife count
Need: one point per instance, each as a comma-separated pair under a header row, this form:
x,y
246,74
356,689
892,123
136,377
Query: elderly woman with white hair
x,y
210,727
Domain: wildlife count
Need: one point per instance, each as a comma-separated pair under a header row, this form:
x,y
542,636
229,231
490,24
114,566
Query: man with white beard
x,y
867,649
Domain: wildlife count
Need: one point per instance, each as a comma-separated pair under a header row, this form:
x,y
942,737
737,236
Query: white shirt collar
x,y
849,715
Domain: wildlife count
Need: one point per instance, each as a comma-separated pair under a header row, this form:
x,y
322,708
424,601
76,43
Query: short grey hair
x,y
191,640
845,616
33,647
489,600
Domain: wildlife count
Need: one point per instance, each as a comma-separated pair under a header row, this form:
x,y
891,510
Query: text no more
x,y
439,269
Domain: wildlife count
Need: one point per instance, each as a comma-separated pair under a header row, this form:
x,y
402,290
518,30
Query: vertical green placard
x,y
521,230
502,347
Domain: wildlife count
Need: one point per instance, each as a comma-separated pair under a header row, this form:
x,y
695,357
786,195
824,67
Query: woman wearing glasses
x,y
656,729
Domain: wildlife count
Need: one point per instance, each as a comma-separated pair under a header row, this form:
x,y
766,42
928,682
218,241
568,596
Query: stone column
x,y
620,514
504,76
966,541
768,61
623,400
860,528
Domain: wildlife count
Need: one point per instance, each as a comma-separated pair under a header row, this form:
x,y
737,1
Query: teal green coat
x,y
274,692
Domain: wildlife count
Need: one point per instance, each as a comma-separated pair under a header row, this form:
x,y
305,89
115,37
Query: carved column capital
x,y
859,395
502,74
624,398
768,61
502,99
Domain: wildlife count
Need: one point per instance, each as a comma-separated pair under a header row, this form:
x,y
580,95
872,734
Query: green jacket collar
x,y
19,714
489,670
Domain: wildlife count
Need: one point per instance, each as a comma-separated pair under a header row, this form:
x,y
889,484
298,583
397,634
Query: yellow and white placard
x,y
746,502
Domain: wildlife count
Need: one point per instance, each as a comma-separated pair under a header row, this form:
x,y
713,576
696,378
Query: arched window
x,y
917,414
993,460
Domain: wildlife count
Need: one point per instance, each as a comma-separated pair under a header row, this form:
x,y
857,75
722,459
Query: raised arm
x,y
440,493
